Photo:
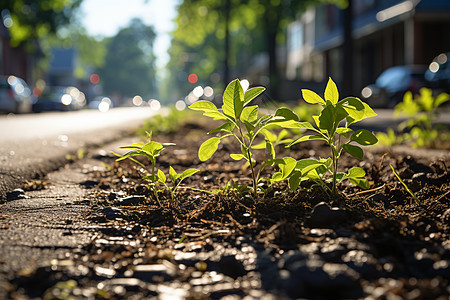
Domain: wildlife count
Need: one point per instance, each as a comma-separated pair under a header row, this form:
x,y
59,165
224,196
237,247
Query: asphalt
x,y
31,156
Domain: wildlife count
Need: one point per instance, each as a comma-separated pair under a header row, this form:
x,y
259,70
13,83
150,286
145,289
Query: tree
x,y
261,21
30,20
129,63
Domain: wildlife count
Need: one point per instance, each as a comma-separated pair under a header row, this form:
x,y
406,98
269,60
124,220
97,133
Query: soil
x,y
373,244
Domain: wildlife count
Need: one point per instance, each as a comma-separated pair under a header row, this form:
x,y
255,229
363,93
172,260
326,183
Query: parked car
x,y
15,95
390,87
59,99
438,73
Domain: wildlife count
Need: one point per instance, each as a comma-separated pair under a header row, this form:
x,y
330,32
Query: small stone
x,y
16,195
131,200
111,212
323,216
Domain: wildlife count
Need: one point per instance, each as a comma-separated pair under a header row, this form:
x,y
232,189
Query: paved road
x,y
35,144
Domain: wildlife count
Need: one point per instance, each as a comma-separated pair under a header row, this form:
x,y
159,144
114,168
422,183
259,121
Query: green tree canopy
x,y
254,26
30,20
129,63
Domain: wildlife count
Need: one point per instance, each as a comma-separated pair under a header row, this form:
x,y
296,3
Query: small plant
x,y
242,122
175,178
332,127
422,111
151,150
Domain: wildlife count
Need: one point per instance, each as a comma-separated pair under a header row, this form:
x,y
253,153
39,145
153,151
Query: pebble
x,y
130,200
323,216
111,212
16,195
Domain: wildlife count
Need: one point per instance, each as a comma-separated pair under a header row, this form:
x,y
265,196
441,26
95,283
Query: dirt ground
x,y
374,244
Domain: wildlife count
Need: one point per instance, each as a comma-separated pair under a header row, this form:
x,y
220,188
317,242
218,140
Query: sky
x,y
106,17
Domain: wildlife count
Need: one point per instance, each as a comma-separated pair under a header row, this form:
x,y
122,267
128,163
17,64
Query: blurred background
x,y
73,54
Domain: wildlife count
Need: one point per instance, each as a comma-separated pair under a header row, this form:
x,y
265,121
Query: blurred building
x,y
384,33
14,60
61,71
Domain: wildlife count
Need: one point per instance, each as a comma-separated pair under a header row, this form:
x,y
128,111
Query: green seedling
x,y
242,122
422,111
151,150
404,185
175,178
332,127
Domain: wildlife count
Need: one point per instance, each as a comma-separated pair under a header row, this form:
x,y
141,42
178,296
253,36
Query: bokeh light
x,y
155,104
103,106
208,91
66,99
137,100
180,105
198,91
37,92
94,78
192,78
434,67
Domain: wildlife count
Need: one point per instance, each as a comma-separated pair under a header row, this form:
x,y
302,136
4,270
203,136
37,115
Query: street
x,y
33,144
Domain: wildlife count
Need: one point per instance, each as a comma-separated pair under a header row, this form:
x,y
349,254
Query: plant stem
x,y
249,159
255,184
334,169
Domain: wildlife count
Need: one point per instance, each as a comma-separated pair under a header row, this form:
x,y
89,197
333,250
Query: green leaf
x,y
327,119
208,148
361,182
354,151
331,92
307,138
311,97
291,124
249,114
233,99
238,156
252,93
161,177
149,135
287,166
216,115
441,98
343,130
270,149
356,172
153,148
356,109
294,180
364,137
188,172
173,174
269,135
131,153
228,127
203,105
287,114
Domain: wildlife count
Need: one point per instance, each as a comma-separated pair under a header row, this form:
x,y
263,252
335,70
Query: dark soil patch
x,y
375,244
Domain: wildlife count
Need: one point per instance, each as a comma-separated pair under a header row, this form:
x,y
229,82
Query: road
x,y
32,145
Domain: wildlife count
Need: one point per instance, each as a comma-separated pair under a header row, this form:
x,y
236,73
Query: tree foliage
x,y
129,63
256,26
29,20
